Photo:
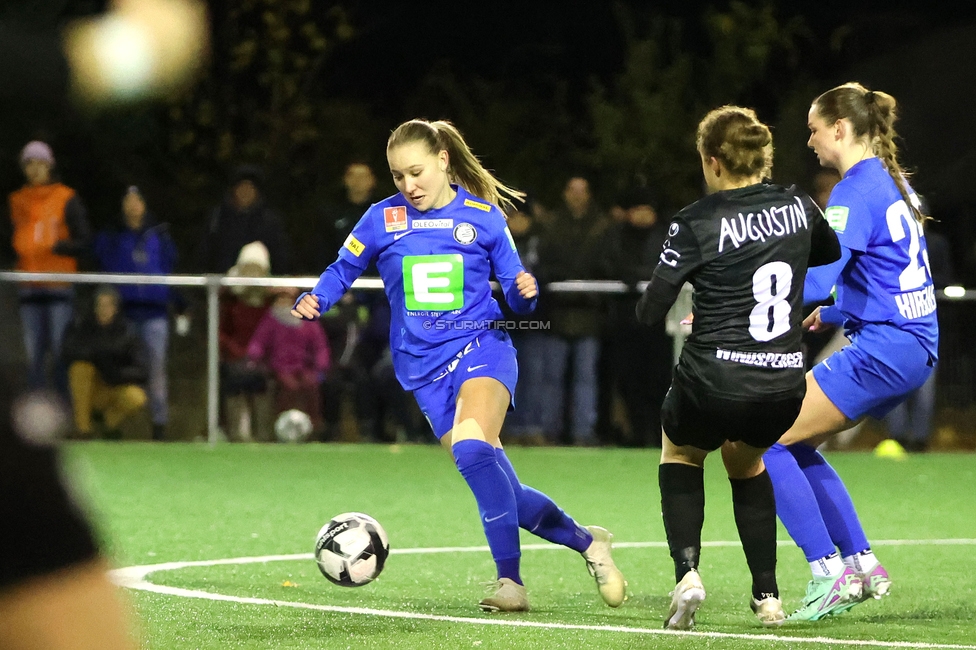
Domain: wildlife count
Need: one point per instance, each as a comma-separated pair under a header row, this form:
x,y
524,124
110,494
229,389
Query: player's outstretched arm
x,y
332,285
820,280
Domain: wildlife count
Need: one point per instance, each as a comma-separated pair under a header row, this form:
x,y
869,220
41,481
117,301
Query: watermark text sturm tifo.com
x,y
540,325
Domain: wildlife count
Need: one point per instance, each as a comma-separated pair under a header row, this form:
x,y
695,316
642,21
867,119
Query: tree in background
x,y
644,122
263,101
521,127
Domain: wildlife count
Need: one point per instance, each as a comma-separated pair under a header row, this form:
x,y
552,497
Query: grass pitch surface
x,y
190,503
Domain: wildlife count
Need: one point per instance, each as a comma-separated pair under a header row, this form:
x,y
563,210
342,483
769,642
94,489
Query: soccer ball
x,y
292,426
351,549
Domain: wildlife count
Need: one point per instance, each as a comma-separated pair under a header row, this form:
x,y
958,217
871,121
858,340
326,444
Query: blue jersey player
x,y
436,245
885,300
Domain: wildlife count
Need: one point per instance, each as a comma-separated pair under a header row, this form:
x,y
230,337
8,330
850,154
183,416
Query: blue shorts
x,y
859,383
489,355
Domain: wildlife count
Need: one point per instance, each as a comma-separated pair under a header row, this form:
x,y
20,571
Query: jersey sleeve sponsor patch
x,y
354,246
484,207
395,218
511,240
836,216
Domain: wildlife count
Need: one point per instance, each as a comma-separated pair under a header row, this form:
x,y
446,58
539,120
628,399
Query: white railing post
x,y
213,358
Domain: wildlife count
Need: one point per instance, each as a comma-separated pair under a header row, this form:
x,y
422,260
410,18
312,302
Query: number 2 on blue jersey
x,y
898,216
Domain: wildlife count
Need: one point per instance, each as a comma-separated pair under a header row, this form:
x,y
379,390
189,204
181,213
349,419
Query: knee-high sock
x,y
540,515
834,500
755,519
683,507
796,504
476,461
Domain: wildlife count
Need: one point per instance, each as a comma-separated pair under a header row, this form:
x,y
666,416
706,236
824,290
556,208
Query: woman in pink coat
x,y
297,354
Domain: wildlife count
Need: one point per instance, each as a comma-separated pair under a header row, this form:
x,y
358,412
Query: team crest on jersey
x,y
464,233
395,218
484,207
673,229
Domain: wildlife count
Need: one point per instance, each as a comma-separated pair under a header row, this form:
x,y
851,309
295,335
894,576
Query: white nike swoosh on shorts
x,y
470,368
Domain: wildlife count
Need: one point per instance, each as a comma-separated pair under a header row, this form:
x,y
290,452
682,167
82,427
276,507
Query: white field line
x,y
134,577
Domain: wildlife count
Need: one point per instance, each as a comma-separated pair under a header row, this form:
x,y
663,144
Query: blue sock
x,y
796,504
475,459
834,500
540,515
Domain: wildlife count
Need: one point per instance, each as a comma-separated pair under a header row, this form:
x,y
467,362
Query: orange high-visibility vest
x,y
38,216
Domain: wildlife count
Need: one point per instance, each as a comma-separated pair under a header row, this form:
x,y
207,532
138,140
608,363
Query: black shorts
x,y
698,419
43,529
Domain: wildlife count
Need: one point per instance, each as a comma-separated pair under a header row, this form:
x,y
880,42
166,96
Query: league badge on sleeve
x,y
836,216
395,218
511,240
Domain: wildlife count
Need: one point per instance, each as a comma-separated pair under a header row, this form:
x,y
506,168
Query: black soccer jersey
x,y
746,252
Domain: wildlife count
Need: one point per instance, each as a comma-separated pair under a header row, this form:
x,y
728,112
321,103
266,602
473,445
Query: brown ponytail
x,y
464,167
736,137
872,114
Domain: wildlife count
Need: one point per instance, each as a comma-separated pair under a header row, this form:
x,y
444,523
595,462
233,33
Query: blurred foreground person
x,y
54,589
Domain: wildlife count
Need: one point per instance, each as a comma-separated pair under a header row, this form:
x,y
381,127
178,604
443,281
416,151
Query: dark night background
x,y
541,90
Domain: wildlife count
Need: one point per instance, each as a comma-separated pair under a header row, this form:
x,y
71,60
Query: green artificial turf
x,y
189,502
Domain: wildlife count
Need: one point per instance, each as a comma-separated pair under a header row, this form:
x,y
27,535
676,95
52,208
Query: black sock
x,y
755,517
683,507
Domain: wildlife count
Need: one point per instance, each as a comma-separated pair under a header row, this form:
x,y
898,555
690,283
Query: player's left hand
x,y
307,307
527,286
812,323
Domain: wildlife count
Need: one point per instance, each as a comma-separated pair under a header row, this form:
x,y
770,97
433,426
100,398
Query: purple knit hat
x,y
37,150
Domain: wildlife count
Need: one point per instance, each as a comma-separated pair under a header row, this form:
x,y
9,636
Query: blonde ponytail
x,y
464,167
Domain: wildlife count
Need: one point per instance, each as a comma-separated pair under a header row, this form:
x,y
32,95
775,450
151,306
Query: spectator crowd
x,y
590,374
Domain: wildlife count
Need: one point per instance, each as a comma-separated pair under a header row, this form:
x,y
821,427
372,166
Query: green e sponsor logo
x,y
433,282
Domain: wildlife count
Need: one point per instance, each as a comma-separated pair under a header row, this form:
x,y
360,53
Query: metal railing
x,y
212,283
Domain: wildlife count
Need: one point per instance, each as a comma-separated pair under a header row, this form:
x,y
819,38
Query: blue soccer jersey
x,y
887,280
435,266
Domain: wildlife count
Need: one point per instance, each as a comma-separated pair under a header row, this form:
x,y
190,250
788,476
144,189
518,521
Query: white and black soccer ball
x,y
293,426
351,549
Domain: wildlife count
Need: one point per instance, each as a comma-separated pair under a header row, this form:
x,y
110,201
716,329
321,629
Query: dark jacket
x,y
940,259
113,349
230,229
336,223
147,251
570,250
527,245
630,254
